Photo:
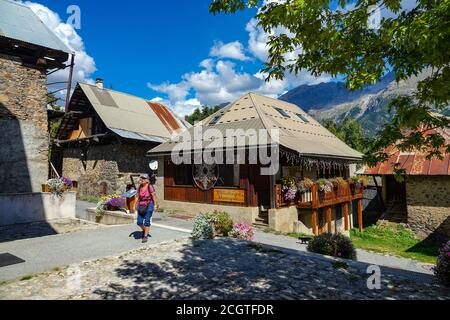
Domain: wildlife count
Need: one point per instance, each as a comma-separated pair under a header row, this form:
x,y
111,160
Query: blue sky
x,y
173,52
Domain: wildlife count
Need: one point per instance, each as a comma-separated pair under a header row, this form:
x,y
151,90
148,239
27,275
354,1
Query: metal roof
x,y
253,111
19,22
414,162
133,117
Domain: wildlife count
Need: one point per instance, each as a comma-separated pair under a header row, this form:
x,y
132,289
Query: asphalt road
x,y
45,253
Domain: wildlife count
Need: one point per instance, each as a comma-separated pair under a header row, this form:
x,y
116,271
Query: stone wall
x,y
108,168
36,207
23,127
428,201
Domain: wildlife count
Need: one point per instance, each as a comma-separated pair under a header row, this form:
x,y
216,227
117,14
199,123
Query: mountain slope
x,y
331,101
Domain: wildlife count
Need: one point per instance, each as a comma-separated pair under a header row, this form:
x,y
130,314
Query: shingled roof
x,y
298,131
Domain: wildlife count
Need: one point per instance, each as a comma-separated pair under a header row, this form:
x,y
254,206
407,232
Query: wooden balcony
x,y
316,200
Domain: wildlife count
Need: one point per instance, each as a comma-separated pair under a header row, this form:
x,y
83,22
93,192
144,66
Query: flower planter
x,y
306,196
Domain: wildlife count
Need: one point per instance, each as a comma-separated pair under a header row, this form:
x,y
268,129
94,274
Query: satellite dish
x,y
153,165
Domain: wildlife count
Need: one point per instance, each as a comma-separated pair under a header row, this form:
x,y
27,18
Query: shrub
x,y
243,231
221,221
203,228
442,269
336,245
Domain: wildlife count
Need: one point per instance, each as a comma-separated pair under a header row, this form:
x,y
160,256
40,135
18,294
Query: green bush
x,y
219,222
203,228
336,245
222,222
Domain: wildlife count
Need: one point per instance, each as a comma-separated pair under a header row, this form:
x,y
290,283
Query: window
x,y
302,117
282,112
228,176
215,120
183,175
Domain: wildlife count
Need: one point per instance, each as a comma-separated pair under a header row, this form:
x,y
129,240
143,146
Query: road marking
x,y
171,228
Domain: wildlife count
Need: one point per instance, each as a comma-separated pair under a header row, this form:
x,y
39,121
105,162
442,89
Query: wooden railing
x,y
321,203
315,199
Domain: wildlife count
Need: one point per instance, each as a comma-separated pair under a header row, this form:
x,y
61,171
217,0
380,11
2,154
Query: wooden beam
x,y
360,215
346,221
314,221
329,220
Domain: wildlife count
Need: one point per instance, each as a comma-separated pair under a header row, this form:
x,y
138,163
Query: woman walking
x,y
145,205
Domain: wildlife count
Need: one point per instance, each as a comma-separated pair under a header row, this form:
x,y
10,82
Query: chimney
x,y
99,83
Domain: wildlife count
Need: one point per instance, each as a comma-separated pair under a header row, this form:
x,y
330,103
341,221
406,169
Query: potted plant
x,y
354,183
289,188
55,186
304,187
325,188
115,204
342,184
68,183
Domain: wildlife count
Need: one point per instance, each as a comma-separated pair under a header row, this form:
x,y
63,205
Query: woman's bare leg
x,y
146,231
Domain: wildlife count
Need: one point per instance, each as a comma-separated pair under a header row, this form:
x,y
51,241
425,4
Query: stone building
x,y
104,136
27,50
422,200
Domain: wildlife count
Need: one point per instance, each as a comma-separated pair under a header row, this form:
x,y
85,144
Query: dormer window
x,y
282,112
302,117
215,120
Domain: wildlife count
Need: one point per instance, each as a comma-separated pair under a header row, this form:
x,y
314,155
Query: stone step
x,y
260,225
262,220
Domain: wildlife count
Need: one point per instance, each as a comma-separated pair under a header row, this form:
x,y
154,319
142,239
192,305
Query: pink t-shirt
x,y
145,197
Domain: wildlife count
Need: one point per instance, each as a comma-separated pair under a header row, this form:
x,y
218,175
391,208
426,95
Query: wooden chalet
x,y
301,147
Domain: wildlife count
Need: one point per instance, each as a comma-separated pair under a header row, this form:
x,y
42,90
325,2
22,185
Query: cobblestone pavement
x,y
217,269
39,229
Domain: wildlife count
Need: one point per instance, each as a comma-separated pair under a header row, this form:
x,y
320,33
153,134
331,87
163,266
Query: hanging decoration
x,y
205,175
321,164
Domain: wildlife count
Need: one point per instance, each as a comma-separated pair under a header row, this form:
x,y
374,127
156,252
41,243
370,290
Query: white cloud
x,y
218,80
231,50
84,63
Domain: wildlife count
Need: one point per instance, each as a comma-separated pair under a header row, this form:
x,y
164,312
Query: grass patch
x,y
90,199
395,240
26,278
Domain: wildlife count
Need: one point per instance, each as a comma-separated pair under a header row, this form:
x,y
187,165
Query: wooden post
x,y
360,215
314,221
329,219
69,82
345,210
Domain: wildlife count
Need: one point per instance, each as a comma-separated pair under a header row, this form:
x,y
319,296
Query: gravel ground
x,y
218,269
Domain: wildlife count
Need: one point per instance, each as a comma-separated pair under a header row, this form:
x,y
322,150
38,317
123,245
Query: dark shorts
x,y
145,220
